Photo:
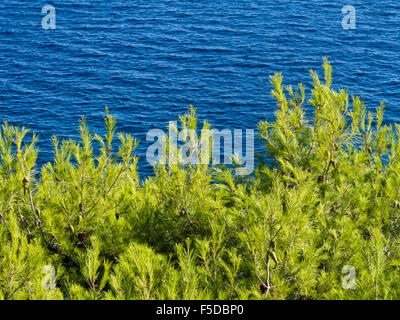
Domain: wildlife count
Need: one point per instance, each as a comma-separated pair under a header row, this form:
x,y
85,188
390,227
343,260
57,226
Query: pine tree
x,y
319,219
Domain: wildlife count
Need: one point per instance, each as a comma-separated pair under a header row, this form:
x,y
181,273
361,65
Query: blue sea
x,y
149,60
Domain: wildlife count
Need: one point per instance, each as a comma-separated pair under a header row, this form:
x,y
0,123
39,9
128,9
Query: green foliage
x,y
322,209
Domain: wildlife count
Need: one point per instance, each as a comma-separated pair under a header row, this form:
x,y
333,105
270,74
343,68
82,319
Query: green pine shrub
x,y
322,208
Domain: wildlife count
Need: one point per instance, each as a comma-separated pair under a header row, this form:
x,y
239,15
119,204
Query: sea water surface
x,y
149,60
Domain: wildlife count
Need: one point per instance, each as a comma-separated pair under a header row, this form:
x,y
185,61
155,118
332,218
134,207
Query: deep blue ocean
x,y
149,60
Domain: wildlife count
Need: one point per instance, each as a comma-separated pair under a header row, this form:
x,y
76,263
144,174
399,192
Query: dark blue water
x,y
148,60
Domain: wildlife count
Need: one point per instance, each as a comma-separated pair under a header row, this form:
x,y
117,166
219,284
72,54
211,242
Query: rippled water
x,y
148,60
